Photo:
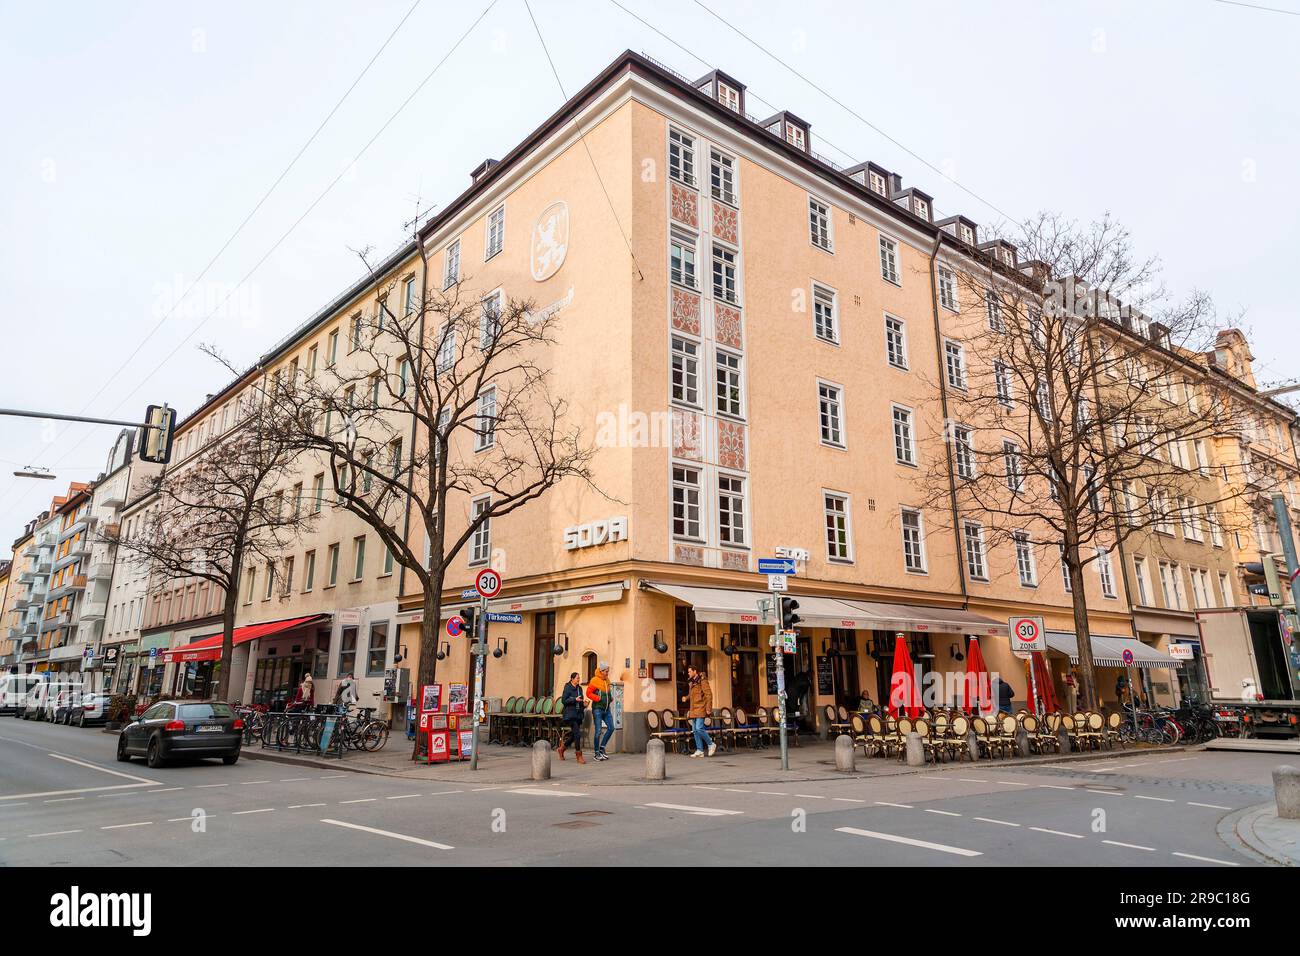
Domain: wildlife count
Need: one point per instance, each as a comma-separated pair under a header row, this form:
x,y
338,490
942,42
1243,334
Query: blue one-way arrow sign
x,y
776,566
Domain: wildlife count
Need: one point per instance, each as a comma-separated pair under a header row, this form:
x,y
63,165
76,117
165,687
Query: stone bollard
x,y
973,745
915,750
542,760
1286,791
844,753
654,760
1022,742
1063,740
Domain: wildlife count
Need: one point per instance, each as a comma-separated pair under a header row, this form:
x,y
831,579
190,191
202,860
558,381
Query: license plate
x,y
209,729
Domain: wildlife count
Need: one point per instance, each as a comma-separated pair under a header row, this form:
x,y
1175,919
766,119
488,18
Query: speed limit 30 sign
x,y
1027,634
488,583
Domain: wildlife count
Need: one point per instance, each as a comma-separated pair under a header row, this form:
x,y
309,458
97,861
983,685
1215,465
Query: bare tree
x,y
1077,403
223,510
443,404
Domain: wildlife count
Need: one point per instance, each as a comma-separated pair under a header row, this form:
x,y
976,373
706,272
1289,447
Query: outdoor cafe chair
x,y
902,727
679,730
744,728
858,729
982,738
1113,724
835,723
726,724
922,728
956,740
1096,729
1006,739
883,743
762,727
656,731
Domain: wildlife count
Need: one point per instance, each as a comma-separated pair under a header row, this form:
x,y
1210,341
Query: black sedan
x,y
182,728
89,709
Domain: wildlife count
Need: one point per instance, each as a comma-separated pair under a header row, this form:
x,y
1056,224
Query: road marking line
x,y
293,779
165,790
64,799
59,793
1001,823
736,790
1052,786
700,811
205,786
22,804
299,806
249,783
1139,796
541,792
1073,836
390,834
773,793
901,806
955,850
331,776
848,800
971,780
1212,806
809,796
700,786
115,773
1013,783
184,819
944,813
481,789
404,796
52,833
133,793
360,800
441,793
1206,859
1104,793
240,813
1131,846
123,826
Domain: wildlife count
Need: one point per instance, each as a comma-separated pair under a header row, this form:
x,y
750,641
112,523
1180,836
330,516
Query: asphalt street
x,y
64,799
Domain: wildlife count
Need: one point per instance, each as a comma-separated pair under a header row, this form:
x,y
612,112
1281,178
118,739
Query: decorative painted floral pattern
x,y
726,326
688,554
725,224
688,435
735,560
731,444
686,205
686,311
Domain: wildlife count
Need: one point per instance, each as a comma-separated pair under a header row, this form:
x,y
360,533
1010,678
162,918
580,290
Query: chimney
x,y
481,170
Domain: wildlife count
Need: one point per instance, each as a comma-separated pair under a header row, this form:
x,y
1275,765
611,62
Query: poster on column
x,y
458,698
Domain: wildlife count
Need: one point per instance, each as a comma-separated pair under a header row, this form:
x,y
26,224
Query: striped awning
x,y
1108,650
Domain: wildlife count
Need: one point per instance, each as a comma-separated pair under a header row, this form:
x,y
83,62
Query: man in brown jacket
x,y
699,701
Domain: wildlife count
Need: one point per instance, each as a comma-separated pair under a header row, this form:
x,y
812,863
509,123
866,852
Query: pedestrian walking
x,y
699,701
602,710
573,703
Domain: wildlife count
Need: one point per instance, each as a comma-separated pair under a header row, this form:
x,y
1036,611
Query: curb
x,y
1237,831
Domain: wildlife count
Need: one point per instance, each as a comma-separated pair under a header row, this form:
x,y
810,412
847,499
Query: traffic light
x,y
156,437
470,616
789,619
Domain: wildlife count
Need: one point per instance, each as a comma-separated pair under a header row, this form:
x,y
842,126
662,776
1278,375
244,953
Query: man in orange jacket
x,y
602,710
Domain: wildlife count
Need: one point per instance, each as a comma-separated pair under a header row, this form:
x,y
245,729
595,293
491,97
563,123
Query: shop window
x,y
742,645
844,667
589,665
543,654
692,642
320,666
348,652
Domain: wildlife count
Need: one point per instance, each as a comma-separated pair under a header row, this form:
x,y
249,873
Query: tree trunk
x,y
227,641
1088,699
430,633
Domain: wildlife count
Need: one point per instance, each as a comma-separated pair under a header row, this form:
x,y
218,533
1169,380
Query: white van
x,y
48,699
13,692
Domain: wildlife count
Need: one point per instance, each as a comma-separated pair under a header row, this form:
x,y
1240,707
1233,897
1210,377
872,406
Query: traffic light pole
x,y
480,674
780,680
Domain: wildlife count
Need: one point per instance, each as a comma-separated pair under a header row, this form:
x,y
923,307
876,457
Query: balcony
x,y
100,571
113,497
94,610
14,634
54,623
29,630
33,549
73,529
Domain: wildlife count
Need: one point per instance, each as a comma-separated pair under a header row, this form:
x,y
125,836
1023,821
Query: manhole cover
x,y
576,824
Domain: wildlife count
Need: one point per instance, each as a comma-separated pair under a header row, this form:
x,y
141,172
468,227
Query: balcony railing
x,y
100,571
94,610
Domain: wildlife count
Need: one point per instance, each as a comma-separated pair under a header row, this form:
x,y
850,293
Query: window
x,y
1169,584
481,545
332,348
286,586
819,223
728,383
896,342
947,288
296,508
496,232
923,209
376,380
836,509
724,274
409,300
794,136
1026,565
358,323
913,540
685,371
1011,464
489,323
681,157
1093,487
731,510
889,260
876,182
1202,458
686,503
1140,578
388,561
1104,571
250,590
1044,402
1002,383
973,535
824,325
485,434
378,649
311,370
396,448
963,451
1198,587
309,570
681,254
954,357
358,557
348,651
1065,572
318,493
1225,589
446,360
451,265
729,97
722,177
332,565
270,581
993,308
1216,530
828,400
904,448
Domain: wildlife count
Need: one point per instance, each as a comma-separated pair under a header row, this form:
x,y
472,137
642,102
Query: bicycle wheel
x,y
375,735
1171,732
310,734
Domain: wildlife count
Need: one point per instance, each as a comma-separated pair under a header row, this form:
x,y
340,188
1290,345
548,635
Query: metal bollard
x,y
844,755
973,745
542,760
654,760
915,750
1286,791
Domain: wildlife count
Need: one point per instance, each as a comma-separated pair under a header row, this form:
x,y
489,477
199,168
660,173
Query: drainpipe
x,y
943,403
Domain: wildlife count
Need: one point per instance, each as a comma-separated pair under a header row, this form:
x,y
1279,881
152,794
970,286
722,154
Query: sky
x,y
139,136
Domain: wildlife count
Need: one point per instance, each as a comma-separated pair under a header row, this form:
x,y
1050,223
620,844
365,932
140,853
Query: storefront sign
x,y
349,617
595,533
1182,652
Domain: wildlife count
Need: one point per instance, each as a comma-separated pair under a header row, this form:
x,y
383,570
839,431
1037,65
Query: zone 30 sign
x,y
1027,634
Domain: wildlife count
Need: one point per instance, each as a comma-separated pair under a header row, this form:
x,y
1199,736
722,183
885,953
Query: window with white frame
x,y
1190,515
1002,383
481,543
496,231
681,259
1093,487
485,433
1160,511
722,177
446,360
729,97
824,324
1216,529
876,183
1225,590
489,323
954,357
913,540
923,209
1044,402
947,288
681,157
795,137
1140,579
1011,465
685,371
729,383
830,412
409,299
819,223
724,274
973,536
993,309
686,503
896,342
904,443
839,547
1065,571
451,265
963,451
731,510
1026,565
1105,573
889,260
1198,588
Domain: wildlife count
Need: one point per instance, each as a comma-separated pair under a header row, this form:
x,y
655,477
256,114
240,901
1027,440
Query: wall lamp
x,y
561,644
443,650
660,646
955,651
400,655
502,648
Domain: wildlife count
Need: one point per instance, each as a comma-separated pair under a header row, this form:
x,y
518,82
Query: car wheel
x,y
122,755
154,757
81,720
229,759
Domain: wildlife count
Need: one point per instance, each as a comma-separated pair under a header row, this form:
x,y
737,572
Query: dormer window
x,y
968,235
729,97
923,209
794,136
876,183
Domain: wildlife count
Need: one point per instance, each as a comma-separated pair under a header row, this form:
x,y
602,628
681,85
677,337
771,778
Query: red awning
x,y
209,648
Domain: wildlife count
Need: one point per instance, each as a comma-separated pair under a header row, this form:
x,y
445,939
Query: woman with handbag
x,y
573,702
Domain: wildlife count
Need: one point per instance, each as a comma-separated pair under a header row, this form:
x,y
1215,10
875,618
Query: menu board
x,y
825,677
772,660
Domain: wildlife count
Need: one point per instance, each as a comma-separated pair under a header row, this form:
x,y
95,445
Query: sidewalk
x,y
811,760
1259,832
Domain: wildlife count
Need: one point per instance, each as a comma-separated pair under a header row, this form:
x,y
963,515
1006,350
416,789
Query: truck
x,y
1252,665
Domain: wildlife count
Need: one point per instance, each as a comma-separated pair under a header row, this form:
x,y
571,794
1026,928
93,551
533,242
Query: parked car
x,y
14,689
65,698
47,697
92,708
182,728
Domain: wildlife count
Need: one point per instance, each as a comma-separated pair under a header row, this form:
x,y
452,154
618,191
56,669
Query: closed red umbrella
x,y
1043,675
904,695
979,691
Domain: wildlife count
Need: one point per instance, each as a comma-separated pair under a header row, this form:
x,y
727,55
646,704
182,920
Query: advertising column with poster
x,y
457,709
433,723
